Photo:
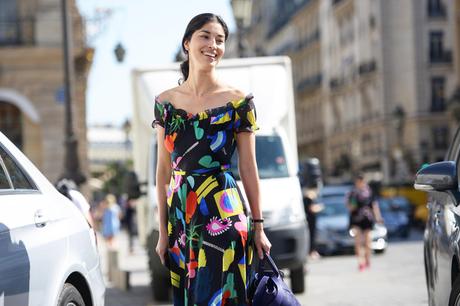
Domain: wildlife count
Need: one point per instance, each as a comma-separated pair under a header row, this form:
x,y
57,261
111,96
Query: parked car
x,y
335,190
48,251
333,233
441,237
396,215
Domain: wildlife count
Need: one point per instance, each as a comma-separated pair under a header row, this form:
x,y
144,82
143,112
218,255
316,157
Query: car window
x,y
17,176
4,181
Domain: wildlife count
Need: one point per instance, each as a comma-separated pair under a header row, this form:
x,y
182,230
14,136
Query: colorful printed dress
x,y
209,247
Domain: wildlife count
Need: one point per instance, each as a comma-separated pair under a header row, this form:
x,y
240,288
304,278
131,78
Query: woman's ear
x,y
187,45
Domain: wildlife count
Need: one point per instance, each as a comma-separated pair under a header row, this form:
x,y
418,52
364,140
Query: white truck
x,y
269,79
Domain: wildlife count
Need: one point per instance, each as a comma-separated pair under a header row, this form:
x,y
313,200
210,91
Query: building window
x,y
11,123
9,23
436,8
440,137
436,45
437,94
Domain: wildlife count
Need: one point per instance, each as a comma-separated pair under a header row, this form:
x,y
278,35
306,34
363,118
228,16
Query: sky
x,y
149,30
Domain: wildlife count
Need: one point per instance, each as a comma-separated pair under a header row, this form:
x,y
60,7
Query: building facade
x,y
32,81
372,82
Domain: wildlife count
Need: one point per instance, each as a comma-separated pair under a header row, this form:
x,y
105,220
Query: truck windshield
x,y
271,160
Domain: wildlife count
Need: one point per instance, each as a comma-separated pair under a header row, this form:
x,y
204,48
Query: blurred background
x,y
376,81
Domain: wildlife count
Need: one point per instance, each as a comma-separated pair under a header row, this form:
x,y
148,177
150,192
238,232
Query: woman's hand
x,y
261,241
162,247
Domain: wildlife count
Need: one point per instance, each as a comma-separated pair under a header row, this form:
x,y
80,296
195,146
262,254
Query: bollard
x,y
112,264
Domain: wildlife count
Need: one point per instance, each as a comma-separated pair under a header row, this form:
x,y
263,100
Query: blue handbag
x,y
267,287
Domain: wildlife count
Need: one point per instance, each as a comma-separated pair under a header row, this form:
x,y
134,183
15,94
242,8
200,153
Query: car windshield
x,y
333,208
271,160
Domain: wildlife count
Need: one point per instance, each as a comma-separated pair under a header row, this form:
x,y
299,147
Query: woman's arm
x,y
163,175
376,211
249,176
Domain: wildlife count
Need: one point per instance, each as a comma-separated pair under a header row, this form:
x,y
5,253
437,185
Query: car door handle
x,y
40,218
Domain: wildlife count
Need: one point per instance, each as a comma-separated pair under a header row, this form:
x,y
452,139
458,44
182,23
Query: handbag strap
x,y
271,262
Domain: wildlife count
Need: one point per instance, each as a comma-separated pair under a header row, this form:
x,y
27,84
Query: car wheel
x,y
70,297
297,280
454,299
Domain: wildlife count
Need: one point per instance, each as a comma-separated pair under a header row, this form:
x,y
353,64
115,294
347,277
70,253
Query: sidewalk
x,y
139,294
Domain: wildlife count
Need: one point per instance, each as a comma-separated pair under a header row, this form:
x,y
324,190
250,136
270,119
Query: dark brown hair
x,y
194,25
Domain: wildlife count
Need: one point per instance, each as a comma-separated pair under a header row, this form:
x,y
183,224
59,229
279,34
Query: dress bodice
x,y
206,140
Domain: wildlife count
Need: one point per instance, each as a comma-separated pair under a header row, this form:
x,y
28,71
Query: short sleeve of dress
x,y
246,116
159,114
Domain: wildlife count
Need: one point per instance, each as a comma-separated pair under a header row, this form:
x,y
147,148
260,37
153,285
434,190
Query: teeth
x,y
209,54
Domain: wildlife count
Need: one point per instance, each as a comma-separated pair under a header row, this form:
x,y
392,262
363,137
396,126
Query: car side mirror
x,y
438,176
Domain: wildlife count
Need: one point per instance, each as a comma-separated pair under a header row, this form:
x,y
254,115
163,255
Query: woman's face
x,y
207,45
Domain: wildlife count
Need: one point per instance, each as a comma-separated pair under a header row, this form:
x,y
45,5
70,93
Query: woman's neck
x,y
200,83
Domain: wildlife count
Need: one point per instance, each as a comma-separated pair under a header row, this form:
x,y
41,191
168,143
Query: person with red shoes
x,y
364,212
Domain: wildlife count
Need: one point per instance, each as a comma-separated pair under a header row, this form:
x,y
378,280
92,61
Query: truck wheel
x,y
70,296
297,280
159,280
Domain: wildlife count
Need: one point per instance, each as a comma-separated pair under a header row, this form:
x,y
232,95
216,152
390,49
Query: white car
x,y
48,251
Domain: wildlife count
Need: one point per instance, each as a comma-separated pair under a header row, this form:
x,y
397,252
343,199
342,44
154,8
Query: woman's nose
x,y
212,44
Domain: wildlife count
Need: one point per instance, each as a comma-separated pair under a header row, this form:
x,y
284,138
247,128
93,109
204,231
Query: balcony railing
x,y
367,67
312,38
444,57
310,83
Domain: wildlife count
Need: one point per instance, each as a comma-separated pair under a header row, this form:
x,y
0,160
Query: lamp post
x,y
242,13
127,129
71,162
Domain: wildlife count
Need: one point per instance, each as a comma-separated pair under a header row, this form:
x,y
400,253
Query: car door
x,y
30,250
443,226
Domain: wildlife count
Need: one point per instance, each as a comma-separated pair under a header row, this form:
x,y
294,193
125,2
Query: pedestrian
x,y
312,208
364,212
110,220
204,230
69,189
132,193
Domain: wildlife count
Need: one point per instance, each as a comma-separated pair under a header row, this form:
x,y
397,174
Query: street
x,y
395,278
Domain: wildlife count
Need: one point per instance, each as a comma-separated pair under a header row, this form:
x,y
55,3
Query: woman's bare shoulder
x,y
168,95
235,93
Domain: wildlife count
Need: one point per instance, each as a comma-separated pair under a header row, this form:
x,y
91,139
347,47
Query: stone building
x,y
372,80
32,80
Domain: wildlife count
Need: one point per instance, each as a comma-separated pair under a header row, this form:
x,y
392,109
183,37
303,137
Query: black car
x,y
442,233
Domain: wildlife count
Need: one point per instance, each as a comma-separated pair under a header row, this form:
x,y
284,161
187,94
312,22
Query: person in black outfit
x,y
364,212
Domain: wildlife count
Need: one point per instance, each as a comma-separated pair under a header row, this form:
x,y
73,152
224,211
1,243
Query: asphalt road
x,y
395,278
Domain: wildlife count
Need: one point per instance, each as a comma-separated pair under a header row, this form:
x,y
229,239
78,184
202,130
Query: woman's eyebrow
x,y
207,32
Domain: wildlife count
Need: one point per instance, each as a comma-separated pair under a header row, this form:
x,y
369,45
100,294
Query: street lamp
x,y
119,52
71,163
242,13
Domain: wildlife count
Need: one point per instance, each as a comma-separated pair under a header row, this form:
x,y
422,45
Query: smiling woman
x,y
205,237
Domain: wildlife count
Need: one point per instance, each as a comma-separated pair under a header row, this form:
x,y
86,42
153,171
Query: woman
x,y
364,211
205,237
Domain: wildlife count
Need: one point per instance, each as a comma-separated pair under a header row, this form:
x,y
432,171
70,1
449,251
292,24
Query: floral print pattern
x,y
210,250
